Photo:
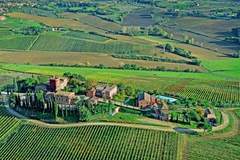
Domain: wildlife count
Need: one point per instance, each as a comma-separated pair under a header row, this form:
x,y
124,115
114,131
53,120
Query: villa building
x,y
57,84
102,91
144,100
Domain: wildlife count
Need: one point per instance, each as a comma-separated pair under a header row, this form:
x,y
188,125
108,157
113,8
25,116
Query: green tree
x,y
15,85
206,126
12,100
129,91
194,116
110,108
84,114
169,47
55,110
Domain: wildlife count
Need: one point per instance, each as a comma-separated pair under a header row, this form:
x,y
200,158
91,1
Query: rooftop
x,y
63,93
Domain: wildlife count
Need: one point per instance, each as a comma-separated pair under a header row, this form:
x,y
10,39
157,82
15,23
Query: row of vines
x,y
225,92
90,142
7,123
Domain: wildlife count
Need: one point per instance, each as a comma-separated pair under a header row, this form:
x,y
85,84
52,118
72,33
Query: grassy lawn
x,y
126,118
115,73
228,67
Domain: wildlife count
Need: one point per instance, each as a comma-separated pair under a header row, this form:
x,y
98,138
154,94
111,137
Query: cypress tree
x,y
55,114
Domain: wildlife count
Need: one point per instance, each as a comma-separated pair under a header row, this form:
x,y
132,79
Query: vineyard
x,y
214,91
90,142
16,42
55,42
7,122
85,36
203,149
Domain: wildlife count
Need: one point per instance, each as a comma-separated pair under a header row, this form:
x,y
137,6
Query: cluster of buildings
x,y
57,85
54,91
155,106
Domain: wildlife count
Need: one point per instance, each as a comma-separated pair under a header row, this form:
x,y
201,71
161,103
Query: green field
x,y
14,23
16,42
55,42
103,74
200,86
228,67
86,36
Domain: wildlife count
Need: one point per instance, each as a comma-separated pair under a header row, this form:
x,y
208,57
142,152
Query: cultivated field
x,y
8,123
57,22
90,142
93,21
222,145
210,32
213,91
198,52
56,42
82,58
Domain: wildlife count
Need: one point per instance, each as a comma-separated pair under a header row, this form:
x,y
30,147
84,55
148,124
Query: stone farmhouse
x,y
57,84
61,97
150,104
102,91
210,115
144,100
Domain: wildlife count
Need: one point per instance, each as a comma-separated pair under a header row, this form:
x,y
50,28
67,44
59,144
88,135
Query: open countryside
x,y
124,79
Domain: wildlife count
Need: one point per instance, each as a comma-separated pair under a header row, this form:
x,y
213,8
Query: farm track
x,y
170,128
32,44
48,125
235,130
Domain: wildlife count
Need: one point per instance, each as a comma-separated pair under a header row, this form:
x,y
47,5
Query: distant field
x,y
56,42
86,36
91,142
139,17
93,21
16,42
57,22
201,53
14,23
210,32
227,64
90,59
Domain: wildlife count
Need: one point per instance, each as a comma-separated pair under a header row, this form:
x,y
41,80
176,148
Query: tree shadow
x,y
185,131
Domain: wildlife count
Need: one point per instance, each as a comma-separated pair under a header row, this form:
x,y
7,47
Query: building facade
x,y
57,84
102,91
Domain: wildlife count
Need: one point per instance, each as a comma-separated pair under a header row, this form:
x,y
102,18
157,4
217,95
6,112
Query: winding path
x,y
170,128
48,125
